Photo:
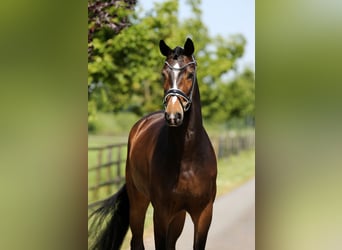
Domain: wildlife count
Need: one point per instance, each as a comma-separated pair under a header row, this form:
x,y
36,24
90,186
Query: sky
x,y
225,17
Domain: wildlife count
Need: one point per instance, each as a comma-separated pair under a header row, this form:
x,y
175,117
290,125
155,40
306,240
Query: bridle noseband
x,y
179,93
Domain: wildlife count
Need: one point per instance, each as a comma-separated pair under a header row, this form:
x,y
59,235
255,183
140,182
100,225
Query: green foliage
x,y
124,71
107,18
236,100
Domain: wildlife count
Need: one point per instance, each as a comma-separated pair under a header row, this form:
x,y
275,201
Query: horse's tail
x,y
109,223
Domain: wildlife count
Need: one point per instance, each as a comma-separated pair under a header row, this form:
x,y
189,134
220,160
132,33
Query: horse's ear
x,y
164,49
188,47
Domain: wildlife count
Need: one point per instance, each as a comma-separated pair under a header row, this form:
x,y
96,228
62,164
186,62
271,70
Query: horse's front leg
x,y
202,221
160,223
175,229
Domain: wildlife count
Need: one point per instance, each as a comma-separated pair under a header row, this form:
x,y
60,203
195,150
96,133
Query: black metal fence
x,y
107,174
232,143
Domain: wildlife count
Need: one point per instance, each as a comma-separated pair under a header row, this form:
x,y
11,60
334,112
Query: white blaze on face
x,y
174,99
175,76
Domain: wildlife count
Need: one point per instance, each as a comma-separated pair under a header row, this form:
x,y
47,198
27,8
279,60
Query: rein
x,y
179,93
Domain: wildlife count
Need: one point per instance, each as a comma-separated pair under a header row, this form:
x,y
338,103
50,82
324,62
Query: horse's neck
x,y
195,115
192,128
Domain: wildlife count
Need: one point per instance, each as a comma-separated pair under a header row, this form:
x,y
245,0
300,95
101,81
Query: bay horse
x,y
170,163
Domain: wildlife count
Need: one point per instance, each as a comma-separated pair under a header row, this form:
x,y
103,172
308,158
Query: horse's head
x,y
179,76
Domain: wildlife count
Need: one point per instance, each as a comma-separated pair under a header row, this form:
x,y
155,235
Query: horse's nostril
x,y
178,115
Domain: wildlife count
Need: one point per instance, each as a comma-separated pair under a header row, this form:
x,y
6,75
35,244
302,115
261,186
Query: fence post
x,y
98,175
118,167
231,139
109,174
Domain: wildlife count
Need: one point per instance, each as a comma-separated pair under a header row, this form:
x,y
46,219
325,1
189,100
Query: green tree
x,y
107,15
105,20
128,65
124,73
236,100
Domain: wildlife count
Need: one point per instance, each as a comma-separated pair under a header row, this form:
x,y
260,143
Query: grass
x,y
114,125
235,170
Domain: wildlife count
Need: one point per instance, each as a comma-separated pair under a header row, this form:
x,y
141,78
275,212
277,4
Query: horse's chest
x,y
188,184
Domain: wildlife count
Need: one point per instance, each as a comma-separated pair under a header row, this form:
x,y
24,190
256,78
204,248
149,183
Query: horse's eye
x,y
190,75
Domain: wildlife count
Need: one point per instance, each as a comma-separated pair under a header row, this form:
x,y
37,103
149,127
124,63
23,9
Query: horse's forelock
x,y
178,51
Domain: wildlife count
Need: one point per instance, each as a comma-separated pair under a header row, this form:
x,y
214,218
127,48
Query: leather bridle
x,y
179,93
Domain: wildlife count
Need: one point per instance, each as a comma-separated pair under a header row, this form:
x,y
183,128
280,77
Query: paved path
x,y
233,223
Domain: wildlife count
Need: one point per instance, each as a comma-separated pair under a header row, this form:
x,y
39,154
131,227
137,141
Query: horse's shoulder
x,y
152,119
149,119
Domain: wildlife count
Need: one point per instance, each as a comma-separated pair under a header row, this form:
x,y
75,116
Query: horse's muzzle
x,y
174,119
